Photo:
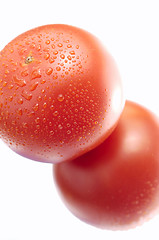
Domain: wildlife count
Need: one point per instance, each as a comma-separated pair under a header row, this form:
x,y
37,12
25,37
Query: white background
x,y
30,208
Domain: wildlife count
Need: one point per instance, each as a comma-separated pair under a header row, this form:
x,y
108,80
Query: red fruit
x,y
116,185
60,93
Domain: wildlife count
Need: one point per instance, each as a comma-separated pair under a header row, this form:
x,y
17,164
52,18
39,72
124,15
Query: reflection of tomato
x,y
116,185
60,93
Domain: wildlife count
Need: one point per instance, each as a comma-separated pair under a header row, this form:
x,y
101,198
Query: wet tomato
x,y
60,93
116,185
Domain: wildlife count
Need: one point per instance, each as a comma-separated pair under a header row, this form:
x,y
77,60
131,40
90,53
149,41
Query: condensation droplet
x,y
43,81
26,95
69,57
52,107
37,120
69,45
38,47
46,56
47,42
39,98
60,45
55,113
34,86
55,52
19,111
49,71
31,114
13,122
51,133
36,107
10,98
58,68
60,98
62,56
10,86
72,52
60,126
19,82
51,60
25,125
24,73
44,120
44,105
20,101
35,74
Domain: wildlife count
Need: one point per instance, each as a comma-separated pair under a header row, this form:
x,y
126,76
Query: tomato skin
x,y
60,93
116,185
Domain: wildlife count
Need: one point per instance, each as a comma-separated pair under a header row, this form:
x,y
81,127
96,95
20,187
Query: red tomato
x,y
60,93
116,185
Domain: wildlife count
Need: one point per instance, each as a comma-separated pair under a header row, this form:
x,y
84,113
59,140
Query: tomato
x,y
60,93
116,185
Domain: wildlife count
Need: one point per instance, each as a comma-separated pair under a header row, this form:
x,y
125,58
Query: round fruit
x,y
60,93
116,185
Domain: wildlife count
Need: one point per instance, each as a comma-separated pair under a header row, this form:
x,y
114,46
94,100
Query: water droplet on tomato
x,y
25,125
60,98
49,71
39,98
69,45
60,45
46,56
37,120
34,86
44,105
55,113
51,133
44,120
72,52
55,52
26,95
35,74
10,98
13,122
51,60
20,101
24,73
52,107
69,57
20,112
47,42
50,124
69,132
36,107
58,68
19,82
60,126
62,56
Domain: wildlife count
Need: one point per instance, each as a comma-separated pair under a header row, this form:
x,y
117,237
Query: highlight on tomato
x,y
60,93
116,185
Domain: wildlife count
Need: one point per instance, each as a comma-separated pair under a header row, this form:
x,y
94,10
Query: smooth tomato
x,y
60,93
116,185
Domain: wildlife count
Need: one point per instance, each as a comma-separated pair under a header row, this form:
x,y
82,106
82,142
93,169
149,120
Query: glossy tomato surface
x,y
60,93
116,185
